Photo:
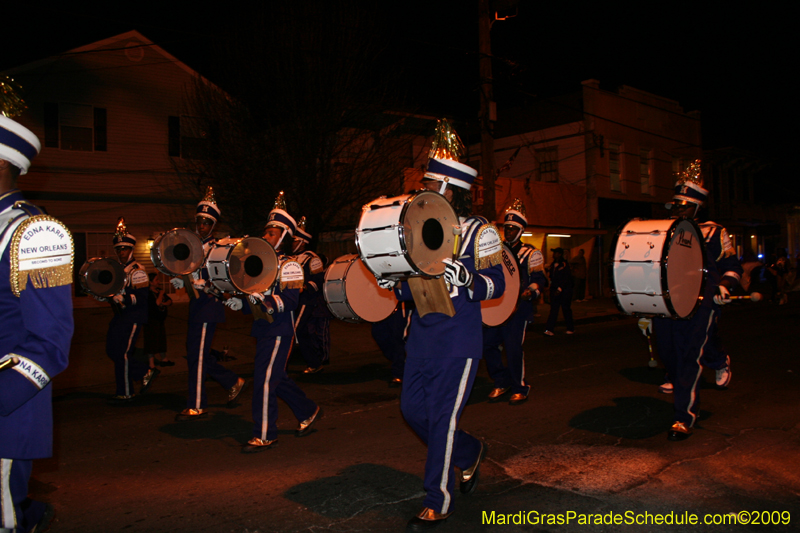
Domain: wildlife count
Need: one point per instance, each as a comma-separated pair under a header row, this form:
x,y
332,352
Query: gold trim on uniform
x,y
493,258
40,277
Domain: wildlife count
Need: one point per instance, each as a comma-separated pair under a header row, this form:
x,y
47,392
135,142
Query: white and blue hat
x,y
515,215
208,206
688,188
122,238
18,144
452,172
280,218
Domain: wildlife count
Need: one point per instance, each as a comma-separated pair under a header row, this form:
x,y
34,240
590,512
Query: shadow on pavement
x,y
218,425
359,489
637,417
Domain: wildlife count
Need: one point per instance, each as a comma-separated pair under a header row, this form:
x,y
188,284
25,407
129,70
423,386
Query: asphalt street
x,y
590,442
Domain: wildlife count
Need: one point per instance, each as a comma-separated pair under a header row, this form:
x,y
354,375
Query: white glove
x,y
118,298
386,283
456,273
98,298
177,283
646,325
256,298
722,296
235,304
532,292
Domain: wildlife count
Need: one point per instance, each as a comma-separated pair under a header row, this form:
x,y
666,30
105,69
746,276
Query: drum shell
x,y
658,267
496,312
390,237
352,293
226,265
91,277
163,257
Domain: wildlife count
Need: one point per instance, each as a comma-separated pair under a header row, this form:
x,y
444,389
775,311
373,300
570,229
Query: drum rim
x,y
519,293
83,273
670,232
226,261
401,234
155,252
352,258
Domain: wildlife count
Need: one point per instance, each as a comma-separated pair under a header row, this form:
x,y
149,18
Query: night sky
x,y
732,65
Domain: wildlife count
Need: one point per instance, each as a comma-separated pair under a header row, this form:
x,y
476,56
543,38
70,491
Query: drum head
x,y
685,265
356,286
102,276
178,252
496,312
428,221
253,265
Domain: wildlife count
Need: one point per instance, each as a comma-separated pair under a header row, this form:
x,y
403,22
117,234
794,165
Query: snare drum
x,y
178,252
242,266
407,235
103,277
495,312
352,293
658,267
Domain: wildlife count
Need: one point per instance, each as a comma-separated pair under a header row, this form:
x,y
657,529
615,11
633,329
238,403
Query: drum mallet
x,y
457,232
646,325
753,297
9,363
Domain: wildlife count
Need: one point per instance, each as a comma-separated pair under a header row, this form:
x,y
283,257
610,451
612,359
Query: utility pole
x,y
487,108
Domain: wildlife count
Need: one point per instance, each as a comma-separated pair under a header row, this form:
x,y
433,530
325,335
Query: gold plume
x,y
518,206
446,143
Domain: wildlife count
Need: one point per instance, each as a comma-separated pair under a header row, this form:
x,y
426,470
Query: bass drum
x,y
658,267
178,252
352,293
496,312
407,235
103,277
243,266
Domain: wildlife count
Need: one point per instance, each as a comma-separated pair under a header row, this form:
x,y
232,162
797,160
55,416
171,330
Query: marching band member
x,y
37,326
274,341
512,333
684,344
205,312
313,321
130,314
442,351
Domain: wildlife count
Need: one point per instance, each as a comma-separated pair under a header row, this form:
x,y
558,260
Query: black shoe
x,y
235,391
44,522
679,432
469,477
427,519
148,379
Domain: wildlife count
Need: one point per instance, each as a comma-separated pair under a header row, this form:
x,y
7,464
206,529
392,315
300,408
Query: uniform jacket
x,y
284,302
531,271
460,336
721,261
206,308
311,297
36,326
134,298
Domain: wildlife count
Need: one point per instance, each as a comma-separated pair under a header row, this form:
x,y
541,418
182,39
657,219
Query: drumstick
x,y
652,363
457,232
753,297
9,363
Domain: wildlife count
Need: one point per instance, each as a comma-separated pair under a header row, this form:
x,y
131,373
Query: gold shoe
x,y
518,398
234,391
469,477
497,392
427,519
191,414
679,431
305,426
256,445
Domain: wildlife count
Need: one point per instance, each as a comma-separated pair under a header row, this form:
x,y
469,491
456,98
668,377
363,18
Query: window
x,y
548,163
190,137
644,170
78,127
614,170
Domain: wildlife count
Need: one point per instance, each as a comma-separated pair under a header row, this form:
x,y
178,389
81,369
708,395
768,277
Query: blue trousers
x,y
314,338
511,335
389,336
23,513
270,383
682,344
120,343
202,363
435,391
